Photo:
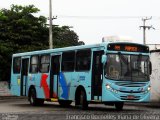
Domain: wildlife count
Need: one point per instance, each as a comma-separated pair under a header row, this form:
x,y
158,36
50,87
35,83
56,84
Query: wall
x,y
155,76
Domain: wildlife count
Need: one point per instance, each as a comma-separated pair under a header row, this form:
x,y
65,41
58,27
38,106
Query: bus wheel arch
x,y
81,97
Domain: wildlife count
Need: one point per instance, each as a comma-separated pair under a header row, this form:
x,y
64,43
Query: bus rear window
x,y
16,65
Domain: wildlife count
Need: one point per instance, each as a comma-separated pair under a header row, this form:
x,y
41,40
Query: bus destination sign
x,y
128,47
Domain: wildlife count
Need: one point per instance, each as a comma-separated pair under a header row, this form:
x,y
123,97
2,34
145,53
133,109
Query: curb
x,y
12,97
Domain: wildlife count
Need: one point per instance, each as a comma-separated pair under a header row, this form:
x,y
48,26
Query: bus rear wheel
x,y
65,103
34,101
119,105
81,100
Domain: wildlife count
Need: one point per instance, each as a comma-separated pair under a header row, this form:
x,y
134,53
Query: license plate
x,y
130,97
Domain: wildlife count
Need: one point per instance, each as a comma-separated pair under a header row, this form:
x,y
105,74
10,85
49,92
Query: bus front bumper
x,y
112,96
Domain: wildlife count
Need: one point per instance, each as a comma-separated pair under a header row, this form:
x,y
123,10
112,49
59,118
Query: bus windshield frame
x,y
127,67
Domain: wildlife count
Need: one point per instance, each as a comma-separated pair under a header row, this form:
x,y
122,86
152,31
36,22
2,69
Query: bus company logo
x,y
140,89
131,91
81,77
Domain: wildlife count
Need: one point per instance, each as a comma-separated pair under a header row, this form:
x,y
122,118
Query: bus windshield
x,y
127,67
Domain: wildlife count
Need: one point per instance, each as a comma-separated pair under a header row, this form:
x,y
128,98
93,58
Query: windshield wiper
x,y
125,61
139,59
123,58
126,64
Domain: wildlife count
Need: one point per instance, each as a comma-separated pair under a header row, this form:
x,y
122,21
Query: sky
x,y
94,19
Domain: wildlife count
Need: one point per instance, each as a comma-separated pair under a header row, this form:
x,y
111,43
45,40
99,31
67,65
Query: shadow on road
x,y
92,107
147,105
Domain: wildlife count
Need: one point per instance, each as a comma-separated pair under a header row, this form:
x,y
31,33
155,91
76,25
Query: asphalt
x,y
148,104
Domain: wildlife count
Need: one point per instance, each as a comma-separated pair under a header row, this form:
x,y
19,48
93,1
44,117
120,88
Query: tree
x,y
64,37
21,31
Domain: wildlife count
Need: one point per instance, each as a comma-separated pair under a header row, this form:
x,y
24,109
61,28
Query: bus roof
x,y
58,50
103,44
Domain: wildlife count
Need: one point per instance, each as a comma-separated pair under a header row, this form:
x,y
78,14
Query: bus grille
x,y
130,84
131,91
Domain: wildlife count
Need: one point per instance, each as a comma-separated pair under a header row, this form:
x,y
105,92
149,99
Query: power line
x,y
100,17
103,17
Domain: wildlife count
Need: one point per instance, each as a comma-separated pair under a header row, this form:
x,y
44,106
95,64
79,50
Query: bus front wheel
x,y
119,105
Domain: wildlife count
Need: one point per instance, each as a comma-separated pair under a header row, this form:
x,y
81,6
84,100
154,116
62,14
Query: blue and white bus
x,y
109,73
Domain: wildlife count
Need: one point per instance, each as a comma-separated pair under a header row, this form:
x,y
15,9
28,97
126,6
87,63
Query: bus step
x,y
97,101
54,100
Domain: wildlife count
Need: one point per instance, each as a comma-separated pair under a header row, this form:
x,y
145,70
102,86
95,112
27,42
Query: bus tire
x,y
32,97
40,102
34,101
65,103
119,105
81,100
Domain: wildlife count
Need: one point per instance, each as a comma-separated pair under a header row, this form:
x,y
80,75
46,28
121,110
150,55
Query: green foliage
x,y
21,31
64,37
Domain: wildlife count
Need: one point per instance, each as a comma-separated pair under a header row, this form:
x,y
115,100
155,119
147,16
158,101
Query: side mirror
x,y
150,68
104,59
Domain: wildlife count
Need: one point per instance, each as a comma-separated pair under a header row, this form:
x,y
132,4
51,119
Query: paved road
x,y
19,109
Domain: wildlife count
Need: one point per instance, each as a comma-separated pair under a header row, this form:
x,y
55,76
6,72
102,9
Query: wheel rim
x,y
31,99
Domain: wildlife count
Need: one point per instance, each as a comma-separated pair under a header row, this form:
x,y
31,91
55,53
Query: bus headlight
x,y
111,89
149,88
108,86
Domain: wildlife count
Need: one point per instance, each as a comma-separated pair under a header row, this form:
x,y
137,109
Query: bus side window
x,y
44,63
83,60
68,61
34,64
16,65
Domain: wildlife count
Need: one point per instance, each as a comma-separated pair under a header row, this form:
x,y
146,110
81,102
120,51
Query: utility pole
x,y
145,27
50,25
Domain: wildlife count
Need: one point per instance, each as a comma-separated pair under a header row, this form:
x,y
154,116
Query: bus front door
x,y
24,76
54,76
97,69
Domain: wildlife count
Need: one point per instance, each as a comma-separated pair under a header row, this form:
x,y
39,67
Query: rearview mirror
x,y
104,59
